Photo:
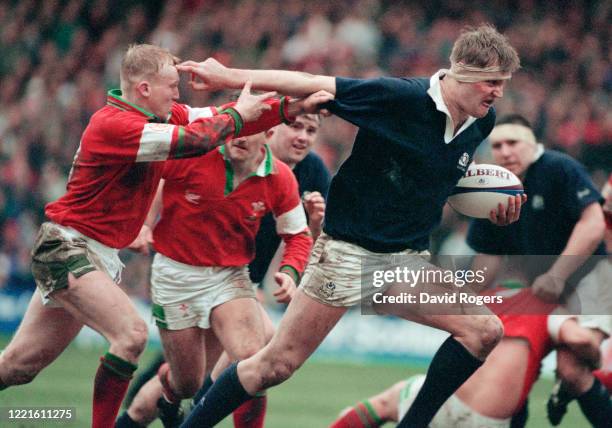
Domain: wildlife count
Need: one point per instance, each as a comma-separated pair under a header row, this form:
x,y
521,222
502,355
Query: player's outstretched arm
x,y
212,75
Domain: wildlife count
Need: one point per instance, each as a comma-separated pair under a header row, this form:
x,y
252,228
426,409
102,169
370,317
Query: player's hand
x,y
208,75
250,106
309,105
548,287
143,241
286,287
314,204
505,216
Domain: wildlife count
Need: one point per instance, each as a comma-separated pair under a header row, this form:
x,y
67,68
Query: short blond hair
x,y
143,61
484,46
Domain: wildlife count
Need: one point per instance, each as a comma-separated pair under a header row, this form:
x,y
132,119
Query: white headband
x,y
512,131
471,74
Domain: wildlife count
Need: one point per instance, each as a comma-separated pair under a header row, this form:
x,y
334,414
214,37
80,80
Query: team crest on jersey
x,y
192,198
328,289
257,207
583,193
463,162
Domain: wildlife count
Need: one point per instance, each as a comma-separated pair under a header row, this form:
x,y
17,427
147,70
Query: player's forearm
x,y
583,241
294,83
297,250
486,263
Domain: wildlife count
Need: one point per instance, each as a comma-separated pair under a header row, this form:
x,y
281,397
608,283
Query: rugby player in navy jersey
x,y
416,138
563,217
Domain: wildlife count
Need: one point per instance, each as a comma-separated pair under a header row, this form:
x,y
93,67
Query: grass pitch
x,y
311,399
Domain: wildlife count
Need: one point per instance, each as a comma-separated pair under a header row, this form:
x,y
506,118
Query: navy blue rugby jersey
x,y
389,194
558,189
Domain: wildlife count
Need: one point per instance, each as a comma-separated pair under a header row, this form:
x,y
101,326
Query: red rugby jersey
x,y
206,222
118,165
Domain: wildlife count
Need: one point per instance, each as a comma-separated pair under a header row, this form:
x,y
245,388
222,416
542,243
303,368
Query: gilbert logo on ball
x,y
482,188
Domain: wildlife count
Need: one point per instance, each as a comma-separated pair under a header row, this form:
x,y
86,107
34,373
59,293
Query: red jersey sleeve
x,y
269,119
291,223
131,138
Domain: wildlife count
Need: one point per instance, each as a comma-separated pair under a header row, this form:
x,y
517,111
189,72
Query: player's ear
x,y
144,88
269,133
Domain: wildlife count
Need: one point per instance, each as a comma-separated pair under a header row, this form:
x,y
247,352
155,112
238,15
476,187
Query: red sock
x,y
110,385
251,414
362,415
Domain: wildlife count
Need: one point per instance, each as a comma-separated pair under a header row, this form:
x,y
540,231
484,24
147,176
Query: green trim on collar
x,y
229,173
265,168
267,165
115,99
180,143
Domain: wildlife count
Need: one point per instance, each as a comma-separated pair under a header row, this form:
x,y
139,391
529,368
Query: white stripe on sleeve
x,y
291,222
155,142
199,112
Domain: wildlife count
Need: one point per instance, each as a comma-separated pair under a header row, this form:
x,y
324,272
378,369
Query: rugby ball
x,y
482,188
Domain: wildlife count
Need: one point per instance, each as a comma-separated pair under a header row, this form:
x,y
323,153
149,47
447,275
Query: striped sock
x,y
110,385
362,415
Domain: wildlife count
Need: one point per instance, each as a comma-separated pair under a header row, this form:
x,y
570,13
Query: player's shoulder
x,y
556,160
312,162
110,119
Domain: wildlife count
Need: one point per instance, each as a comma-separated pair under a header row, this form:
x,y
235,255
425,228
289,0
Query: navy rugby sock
x,y
451,366
208,382
225,396
125,421
596,405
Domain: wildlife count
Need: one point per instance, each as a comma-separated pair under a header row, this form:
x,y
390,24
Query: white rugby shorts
x,y
184,295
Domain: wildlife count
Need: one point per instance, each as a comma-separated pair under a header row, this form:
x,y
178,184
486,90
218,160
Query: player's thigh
x,y
239,326
95,300
269,327
185,353
43,334
445,316
303,327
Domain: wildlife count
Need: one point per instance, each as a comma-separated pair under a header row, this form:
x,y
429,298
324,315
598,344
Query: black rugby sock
x,y
125,421
596,405
451,366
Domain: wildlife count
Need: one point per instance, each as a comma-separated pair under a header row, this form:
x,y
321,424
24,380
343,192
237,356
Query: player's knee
x,y
572,373
249,349
490,333
19,371
134,339
186,388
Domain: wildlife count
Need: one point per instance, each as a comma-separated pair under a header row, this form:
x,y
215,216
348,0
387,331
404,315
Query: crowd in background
x,y
58,58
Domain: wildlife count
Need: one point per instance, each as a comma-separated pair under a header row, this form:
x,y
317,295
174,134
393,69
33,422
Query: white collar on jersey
x,y
435,92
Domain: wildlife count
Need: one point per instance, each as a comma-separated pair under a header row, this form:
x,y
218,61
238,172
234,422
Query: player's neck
x,y
458,116
243,169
